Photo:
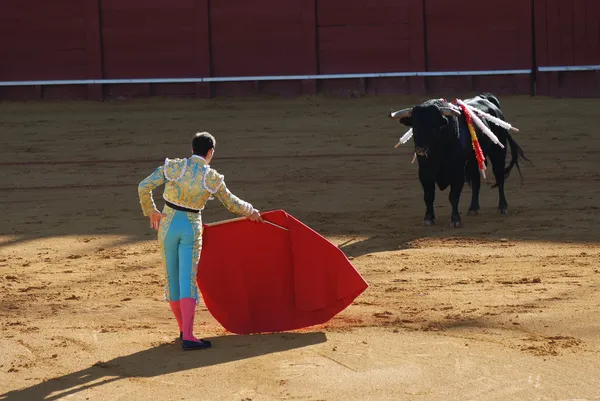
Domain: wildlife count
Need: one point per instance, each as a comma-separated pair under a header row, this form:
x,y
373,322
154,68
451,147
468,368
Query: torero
x,y
189,184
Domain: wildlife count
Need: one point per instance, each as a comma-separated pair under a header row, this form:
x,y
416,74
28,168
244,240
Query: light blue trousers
x,y
180,239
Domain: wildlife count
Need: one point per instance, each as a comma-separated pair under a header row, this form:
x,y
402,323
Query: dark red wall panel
x,y
403,85
591,42
186,90
79,39
281,88
64,92
342,87
127,91
20,93
541,44
155,38
363,36
93,47
42,40
472,36
568,34
462,85
262,37
469,37
228,89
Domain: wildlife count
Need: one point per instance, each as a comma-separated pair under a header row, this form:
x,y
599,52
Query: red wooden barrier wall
x,y
262,37
360,36
153,39
567,34
476,36
79,39
40,41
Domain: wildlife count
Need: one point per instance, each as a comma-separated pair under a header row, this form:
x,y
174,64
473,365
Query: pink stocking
x,y
188,308
176,308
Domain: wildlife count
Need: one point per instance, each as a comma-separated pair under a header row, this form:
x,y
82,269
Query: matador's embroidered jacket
x,y
189,182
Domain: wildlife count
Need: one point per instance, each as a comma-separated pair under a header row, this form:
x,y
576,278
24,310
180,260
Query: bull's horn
x,y
397,115
449,112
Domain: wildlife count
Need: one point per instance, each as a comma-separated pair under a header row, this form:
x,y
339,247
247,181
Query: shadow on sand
x,y
165,359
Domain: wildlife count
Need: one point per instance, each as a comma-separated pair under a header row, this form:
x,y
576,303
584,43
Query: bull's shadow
x,y
165,359
374,244
522,224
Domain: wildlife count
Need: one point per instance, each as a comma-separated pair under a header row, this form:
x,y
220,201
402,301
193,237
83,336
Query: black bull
x,y
446,156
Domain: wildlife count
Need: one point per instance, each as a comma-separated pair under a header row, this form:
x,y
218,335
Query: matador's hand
x,y
155,219
255,216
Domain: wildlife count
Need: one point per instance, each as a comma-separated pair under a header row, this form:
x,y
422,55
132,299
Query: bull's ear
x,y
406,121
445,121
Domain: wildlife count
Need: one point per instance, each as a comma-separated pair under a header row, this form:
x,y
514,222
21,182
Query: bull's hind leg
x,y
498,157
475,178
455,190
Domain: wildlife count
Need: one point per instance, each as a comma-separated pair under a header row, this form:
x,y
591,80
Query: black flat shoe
x,y
202,339
192,345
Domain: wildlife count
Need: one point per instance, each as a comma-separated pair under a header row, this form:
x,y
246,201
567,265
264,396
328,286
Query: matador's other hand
x,y
255,216
155,219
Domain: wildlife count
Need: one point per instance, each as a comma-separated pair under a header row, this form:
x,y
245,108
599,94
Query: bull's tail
x,y
516,155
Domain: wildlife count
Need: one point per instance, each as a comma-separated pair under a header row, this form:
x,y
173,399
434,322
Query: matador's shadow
x,y
165,359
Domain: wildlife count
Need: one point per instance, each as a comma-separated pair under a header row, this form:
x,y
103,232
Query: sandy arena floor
x,y
506,308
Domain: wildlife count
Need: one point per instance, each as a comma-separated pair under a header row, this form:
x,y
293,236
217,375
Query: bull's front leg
x,y
455,190
429,198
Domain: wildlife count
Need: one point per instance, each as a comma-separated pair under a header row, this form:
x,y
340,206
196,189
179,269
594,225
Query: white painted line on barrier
x,y
260,78
570,68
294,77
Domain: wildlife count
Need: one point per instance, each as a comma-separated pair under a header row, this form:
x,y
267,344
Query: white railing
x,y
295,77
260,78
570,68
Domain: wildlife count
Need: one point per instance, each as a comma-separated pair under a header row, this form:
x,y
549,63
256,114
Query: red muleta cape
x,y
258,278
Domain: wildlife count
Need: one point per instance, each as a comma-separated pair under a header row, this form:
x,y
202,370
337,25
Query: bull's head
x,y
427,122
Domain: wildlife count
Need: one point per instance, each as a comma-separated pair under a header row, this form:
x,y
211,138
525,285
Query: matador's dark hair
x,y
202,143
